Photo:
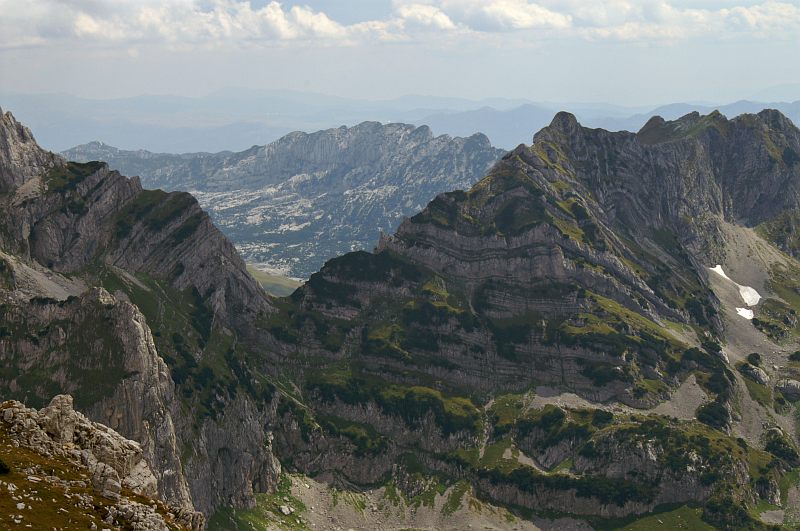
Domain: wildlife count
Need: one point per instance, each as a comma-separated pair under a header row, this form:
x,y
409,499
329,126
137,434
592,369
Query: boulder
x,y
789,388
59,419
105,479
756,374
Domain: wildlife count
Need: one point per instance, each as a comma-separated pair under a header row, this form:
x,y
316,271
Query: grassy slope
x,y
51,505
266,513
274,284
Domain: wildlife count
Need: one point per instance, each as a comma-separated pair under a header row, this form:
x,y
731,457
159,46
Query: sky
x,y
615,51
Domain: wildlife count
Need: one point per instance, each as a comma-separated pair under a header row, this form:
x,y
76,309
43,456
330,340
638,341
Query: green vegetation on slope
x,y
206,362
94,334
784,231
684,517
276,285
66,178
411,403
266,514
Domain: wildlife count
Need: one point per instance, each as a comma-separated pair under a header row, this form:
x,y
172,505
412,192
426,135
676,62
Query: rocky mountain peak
x,y
776,120
678,172
564,127
565,122
21,158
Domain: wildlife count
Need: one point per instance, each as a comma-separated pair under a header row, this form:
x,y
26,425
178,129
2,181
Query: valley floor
x,y
314,504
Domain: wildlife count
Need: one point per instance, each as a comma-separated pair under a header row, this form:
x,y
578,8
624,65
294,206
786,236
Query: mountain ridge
x,y
310,196
547,275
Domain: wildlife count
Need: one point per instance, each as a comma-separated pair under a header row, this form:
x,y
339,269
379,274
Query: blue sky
x,y
618,51
347,11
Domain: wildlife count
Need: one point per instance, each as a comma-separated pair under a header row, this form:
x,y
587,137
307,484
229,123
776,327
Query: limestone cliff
x,y
126,298
21,159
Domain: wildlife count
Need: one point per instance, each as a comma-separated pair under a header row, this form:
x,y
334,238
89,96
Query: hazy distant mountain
x,y
786,92
236,118
509,128
230,119
306,198
676,110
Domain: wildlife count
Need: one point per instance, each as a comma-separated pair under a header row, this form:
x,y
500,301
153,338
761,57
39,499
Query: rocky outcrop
x,y
308,197
133,393
789,388
21,159
757,374
116,466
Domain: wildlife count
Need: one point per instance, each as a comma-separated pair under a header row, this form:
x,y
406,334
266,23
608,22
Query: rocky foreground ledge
x,y
58,470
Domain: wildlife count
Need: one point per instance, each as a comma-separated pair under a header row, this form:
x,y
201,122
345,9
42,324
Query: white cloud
x,y
425,15
228,20
215,22
661,19
496,15
519,14
765,18
220,23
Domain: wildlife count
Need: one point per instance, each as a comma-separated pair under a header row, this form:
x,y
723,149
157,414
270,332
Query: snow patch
x,y
745,312
718,270
749,295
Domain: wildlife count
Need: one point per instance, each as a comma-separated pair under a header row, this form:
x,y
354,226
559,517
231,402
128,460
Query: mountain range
x,y
600,332
305,198
230,119
236,118
508,128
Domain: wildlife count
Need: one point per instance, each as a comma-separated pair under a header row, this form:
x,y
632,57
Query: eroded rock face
x,y
75,214
59,419
233,457
21,158
135,395
111,461
684,173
